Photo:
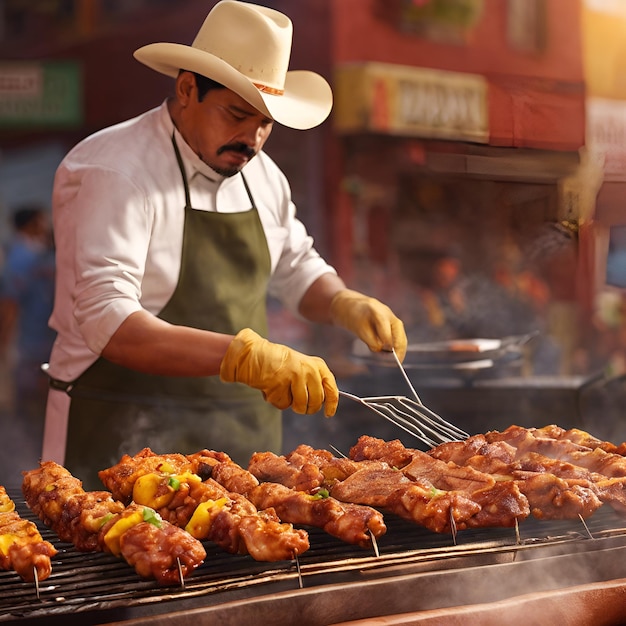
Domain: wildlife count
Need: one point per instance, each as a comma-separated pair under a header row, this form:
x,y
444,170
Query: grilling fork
x,y
411,415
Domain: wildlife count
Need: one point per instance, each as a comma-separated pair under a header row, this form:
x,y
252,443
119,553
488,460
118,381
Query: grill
x,y
416,570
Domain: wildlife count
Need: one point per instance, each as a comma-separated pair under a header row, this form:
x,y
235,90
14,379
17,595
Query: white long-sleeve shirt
x,y
118,213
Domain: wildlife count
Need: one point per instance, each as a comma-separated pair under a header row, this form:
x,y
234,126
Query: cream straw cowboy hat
x,y
246,47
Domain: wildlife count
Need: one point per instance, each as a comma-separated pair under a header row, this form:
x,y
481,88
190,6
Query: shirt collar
x,y
193,164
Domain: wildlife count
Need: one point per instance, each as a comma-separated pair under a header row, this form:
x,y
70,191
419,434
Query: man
x,y
171,230
25,306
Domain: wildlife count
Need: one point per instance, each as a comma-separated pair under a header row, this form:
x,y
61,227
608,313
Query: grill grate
x,y
85,583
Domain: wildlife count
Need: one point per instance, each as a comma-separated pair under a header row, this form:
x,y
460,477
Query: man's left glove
x,y
370,320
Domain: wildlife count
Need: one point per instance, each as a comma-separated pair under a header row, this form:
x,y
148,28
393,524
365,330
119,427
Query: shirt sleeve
x,y
107,226
298,264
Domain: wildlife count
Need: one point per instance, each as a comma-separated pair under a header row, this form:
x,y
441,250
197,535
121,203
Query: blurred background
x,y
472,175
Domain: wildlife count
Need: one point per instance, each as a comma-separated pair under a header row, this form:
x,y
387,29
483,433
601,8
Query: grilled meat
x,y
595,459
555,489
348,522
94,521
412,500
305,468
120,478
206,509
22,548
225,481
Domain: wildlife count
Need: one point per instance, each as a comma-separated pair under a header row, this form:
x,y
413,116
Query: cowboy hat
x,y
246,48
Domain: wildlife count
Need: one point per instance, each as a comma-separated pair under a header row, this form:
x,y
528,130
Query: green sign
x,y
40,94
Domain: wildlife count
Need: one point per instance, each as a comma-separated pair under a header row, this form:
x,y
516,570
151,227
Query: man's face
x,y
224,130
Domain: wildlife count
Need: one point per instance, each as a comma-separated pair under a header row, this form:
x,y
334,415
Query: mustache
x,y
247,151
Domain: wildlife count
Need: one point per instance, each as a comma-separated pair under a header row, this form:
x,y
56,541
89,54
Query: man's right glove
x,y
370,320
287,378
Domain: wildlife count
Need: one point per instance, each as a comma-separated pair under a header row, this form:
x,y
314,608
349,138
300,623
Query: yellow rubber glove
x,y
287,378
370,320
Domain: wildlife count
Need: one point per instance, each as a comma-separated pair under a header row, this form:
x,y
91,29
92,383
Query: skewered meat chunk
x,y
532,440
415,501
60,502
93,521
555,489
205,509
154,548
22,548
121,477
373,482
352,523
270,467
221,468
305,468
575,435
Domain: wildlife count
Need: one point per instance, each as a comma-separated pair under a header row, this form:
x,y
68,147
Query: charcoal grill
x,y
416,570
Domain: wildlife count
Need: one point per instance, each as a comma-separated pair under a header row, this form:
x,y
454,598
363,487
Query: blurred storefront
x,y
460,130
604,27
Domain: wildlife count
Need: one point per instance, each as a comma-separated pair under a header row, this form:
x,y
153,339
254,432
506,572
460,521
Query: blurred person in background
x,y
26,298
172,229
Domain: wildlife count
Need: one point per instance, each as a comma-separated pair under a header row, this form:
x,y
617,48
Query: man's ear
x,y
185,87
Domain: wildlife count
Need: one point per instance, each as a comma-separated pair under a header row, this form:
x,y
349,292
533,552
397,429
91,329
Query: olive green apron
x,y
222,286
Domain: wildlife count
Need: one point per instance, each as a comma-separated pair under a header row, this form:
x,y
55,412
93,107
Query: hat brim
x,y
306,102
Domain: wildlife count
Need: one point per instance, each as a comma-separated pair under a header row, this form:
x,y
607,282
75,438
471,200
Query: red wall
x,y
535,100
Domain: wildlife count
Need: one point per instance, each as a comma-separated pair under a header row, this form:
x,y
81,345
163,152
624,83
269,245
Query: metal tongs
x,y
411,415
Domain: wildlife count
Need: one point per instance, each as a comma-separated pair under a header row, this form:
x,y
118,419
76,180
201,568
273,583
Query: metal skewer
x,y
36,581
585,525
374,544
452,526
180,573
297,560
341,454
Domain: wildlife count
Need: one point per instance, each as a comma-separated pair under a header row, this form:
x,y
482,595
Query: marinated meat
x,y
93,521
22,548
208,510
348,522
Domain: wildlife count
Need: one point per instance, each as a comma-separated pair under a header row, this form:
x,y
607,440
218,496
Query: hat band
x,y
270,90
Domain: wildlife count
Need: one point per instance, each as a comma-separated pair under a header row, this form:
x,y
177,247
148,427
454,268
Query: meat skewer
x,y
349,523
556,489
205,509
595,459
425,495
22,548
352,523
94,521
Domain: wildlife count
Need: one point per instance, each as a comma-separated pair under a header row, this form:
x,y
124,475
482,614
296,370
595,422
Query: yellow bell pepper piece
x,y
114,534
200,523
166,468
6,541
6,505
188,477
147,487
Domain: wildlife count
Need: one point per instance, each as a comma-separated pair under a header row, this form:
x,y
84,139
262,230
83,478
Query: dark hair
x,y
23,216
205,85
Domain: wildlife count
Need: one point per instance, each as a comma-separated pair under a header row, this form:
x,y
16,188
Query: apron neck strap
x,y
181,166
